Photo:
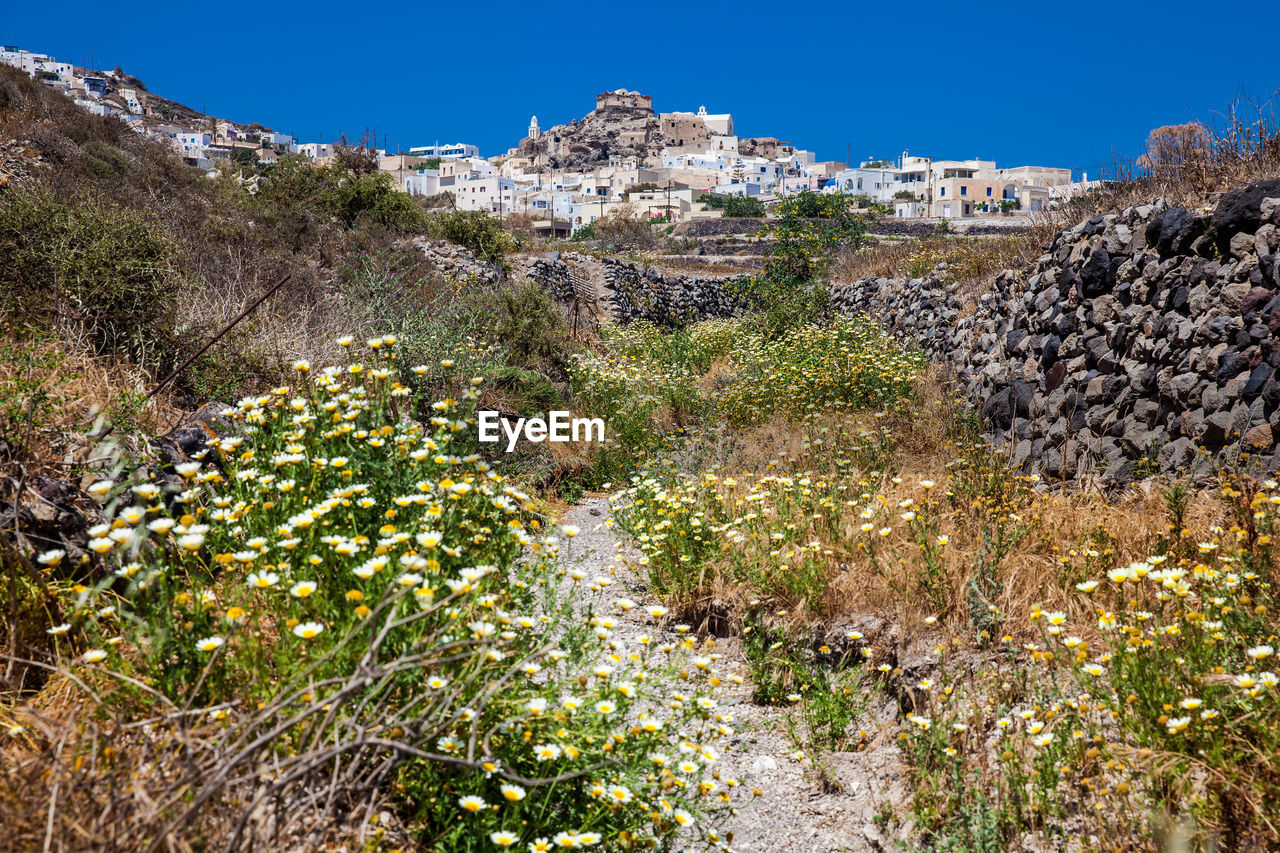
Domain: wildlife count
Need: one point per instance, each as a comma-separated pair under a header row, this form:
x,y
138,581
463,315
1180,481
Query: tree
x,y
1174,148
741,205
807,229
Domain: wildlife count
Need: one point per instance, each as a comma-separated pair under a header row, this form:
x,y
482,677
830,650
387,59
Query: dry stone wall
x,y
636,293
1150,334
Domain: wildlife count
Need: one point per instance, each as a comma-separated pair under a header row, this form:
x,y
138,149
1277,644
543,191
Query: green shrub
x,y
741,205
808,228
530,392
474,230
102,266
103,161
531,328
372,198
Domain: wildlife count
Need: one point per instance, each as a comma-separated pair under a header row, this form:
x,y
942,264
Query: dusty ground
x,y
793,812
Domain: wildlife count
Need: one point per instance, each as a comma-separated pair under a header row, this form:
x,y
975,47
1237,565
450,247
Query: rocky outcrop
x,y
50,513
1149,334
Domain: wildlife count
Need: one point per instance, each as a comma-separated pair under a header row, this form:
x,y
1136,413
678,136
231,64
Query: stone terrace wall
x,y
665,299
634,293
1144,334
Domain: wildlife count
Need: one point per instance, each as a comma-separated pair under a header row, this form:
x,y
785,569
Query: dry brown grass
x,y
972,260
55,392
1061,527
886,259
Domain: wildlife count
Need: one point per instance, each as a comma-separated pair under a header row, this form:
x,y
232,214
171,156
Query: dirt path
x,y
793,812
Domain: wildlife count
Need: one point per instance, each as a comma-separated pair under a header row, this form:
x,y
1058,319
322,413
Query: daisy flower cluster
x,y
1158,689
342,528
849,365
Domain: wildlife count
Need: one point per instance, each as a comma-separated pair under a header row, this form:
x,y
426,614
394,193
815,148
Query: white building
x,y
720,124
313,150
191,143
270,137
131,102
879,183
426,182
493,194
737,189
452,150
93,107
37,64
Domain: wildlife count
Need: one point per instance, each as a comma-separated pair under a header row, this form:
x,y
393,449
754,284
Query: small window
x,y
964,191
988,192
942,191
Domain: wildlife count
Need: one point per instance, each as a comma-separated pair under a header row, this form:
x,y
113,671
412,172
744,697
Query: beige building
x,y
954,189
621,100
977,187
684,132
400,166
651,204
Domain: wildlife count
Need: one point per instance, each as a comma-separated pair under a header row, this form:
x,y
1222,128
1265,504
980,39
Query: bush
x,y
809,228
371,198
531,329
741,205
733,205
475,230
101,267
621,229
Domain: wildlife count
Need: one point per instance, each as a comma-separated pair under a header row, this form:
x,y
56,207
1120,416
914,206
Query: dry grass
x,y
972,259
54,392
1061,528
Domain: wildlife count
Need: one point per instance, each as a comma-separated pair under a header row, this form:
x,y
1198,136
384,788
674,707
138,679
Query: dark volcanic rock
x,y
1240,211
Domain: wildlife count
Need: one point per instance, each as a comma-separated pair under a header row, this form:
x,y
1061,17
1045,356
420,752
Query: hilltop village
x,y
623,155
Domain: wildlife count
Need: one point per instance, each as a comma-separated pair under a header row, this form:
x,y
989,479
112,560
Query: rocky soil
x,y
794,812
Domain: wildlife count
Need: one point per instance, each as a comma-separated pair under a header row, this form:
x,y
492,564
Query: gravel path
x,y
793,813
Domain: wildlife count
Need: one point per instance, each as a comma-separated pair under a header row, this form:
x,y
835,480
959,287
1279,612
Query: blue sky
x,y
1060,84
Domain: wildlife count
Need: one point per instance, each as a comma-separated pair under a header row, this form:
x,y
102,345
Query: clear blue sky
x,y
1028,82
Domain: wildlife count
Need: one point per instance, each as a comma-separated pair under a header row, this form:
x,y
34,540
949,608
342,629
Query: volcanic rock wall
x,y
665,299
1147,334
635,293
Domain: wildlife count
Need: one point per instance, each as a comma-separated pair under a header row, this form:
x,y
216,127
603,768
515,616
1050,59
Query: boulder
x,y
1241,211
